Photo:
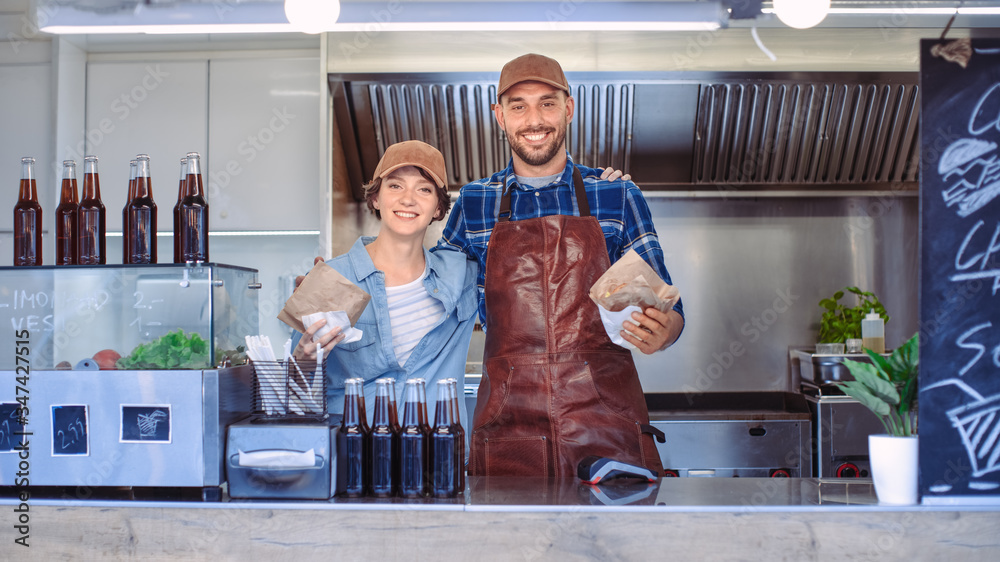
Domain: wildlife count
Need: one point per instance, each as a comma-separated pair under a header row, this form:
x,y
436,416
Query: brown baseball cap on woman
x,y
538,68
413,153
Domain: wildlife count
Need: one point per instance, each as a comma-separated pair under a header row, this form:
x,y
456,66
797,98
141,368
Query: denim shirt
x,y
440,354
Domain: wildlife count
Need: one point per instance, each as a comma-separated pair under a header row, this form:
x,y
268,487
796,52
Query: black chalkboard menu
x,y
959,402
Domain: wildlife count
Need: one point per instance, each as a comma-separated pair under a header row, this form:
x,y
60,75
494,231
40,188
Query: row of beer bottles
x,y
81,224
411,459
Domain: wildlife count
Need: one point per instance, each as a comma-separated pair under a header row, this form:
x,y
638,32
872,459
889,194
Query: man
x,y
555,389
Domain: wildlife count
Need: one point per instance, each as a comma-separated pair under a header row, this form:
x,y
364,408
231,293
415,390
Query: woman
x,y
419,321
423,305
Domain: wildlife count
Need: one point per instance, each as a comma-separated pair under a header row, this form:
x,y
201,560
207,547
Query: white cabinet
x,y
26,115
255,122
263,150
159,108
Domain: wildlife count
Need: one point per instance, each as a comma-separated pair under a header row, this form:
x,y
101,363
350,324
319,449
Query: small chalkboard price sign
x,y
70,435
959,401
11,428
145,424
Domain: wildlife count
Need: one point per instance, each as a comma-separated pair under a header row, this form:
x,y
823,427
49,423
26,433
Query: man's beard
x,y
541,155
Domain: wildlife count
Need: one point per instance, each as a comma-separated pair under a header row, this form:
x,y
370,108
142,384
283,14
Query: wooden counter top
x,y
523,519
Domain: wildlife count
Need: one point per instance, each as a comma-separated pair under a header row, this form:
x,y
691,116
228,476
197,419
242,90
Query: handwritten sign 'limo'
x,y
959,399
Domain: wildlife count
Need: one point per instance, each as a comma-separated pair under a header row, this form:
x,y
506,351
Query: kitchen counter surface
x,y
558,494
514,519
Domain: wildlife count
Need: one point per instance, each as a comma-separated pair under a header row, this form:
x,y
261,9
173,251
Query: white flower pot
x,y
894,468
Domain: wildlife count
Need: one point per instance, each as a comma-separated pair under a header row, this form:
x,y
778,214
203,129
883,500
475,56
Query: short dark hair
x,y
444,200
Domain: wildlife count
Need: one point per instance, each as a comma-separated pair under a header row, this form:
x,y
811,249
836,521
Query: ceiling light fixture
x,y
208,17
801,14
297,15
312,16
534,16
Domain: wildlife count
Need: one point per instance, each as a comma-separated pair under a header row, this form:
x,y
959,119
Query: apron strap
x,y
581,198
655,432
581,193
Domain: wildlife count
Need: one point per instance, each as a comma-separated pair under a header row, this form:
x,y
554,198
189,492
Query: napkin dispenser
x,y
274,459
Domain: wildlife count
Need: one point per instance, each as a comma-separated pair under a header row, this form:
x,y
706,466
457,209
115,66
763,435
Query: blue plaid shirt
x,y
618,206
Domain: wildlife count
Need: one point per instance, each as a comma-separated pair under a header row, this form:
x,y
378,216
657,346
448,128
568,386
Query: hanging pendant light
x,y
800,14
312,16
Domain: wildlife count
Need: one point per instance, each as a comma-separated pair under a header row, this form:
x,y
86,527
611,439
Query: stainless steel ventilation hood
x,y
711,132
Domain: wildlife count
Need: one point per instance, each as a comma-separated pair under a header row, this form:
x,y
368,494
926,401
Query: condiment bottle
x,y
66,213
181,190
126,246
384,448
443,446
352,437
141,223
28,218
413,443
91,218
873,332
459,434
193,214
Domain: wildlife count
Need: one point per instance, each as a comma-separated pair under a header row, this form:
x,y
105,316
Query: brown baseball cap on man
x,y
413,153
538,68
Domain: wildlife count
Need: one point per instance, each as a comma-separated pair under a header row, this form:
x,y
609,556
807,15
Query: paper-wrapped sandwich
x,y
325,293
628,286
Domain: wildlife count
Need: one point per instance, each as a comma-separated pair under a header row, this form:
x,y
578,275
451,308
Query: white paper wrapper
x,y
613,323
278,458
630,285
333,319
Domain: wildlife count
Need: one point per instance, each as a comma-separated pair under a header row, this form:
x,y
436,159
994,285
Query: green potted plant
x,y
888,387
841,322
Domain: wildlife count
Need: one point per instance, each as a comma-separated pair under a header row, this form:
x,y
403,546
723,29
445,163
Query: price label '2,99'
x,y
69,431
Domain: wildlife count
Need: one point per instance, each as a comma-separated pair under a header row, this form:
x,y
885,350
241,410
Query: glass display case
x,y
69,314
158,419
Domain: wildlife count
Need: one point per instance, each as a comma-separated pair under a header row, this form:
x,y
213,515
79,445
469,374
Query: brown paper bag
x,y
631,281
324,289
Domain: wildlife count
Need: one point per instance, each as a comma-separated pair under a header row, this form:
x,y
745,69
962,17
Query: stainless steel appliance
x,y
842,424
733,434
137,429
725,434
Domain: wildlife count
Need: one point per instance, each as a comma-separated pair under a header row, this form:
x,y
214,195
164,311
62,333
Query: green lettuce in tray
x,y
175,350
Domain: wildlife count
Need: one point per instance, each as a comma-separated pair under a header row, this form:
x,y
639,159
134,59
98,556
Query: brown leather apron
x,y
555,389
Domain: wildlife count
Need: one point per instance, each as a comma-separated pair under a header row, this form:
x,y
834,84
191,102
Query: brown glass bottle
x,y
384,447
91,218
28,218
193,215
444,450
413,442
396,429
352,441
459,434
69,203
126,250
141,217
181,191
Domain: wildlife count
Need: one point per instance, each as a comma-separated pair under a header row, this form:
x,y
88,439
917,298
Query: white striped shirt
x,y
412,313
